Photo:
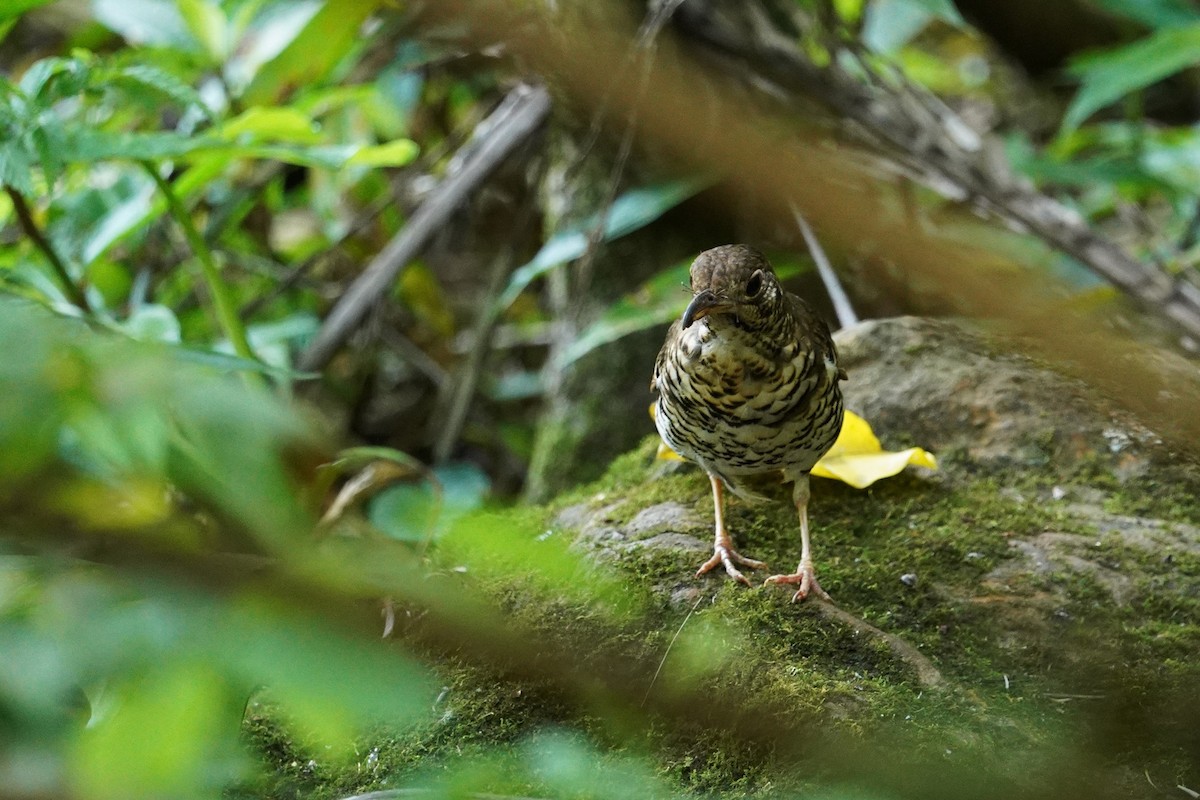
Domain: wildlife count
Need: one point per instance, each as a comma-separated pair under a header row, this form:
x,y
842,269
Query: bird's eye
x,y
754,285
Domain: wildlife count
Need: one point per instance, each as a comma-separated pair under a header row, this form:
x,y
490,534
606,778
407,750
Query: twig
x,y
1191,231
227,315
833,287
928,675
519,115
654,21
396,794
74,293
457,394
416,357
939,149
358,225
671,644
300,271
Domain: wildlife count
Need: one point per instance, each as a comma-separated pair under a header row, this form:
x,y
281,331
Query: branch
x,y
518,116
939,149
833,287
74,293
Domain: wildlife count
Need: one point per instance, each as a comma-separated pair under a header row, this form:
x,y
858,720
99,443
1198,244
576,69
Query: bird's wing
x,y
812,330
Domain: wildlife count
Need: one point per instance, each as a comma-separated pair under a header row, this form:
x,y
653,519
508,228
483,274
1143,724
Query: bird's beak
x,y
704,303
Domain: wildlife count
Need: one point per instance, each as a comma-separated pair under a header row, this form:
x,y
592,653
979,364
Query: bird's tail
x,y
744,492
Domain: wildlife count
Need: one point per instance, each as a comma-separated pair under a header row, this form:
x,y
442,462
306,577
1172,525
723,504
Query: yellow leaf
x,y
858,459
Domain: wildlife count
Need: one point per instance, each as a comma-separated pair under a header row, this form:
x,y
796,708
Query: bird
x,y
748,384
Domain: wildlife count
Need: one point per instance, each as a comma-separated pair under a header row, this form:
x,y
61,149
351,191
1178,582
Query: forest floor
x,y
1023,622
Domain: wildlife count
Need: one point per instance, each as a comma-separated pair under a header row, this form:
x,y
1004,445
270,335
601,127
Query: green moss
x,y
1019,671
1169,500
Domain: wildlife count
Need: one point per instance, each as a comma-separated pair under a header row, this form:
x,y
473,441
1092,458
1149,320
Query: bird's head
x,y
733,284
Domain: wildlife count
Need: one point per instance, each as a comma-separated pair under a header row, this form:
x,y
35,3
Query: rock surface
x,y
934,383
938,385
1054,559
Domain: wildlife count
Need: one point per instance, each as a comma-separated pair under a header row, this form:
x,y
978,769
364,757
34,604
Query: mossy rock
x,y
1024,622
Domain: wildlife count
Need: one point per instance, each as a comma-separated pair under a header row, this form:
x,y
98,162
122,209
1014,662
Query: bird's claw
x,y
806,576
727,556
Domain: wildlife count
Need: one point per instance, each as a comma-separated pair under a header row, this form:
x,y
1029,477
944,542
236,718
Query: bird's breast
x,y
728,403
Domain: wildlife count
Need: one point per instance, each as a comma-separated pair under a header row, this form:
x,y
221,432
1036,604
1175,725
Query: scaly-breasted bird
x,y
748,384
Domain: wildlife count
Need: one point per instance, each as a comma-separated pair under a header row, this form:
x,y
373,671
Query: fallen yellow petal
x,y
856,458
665,453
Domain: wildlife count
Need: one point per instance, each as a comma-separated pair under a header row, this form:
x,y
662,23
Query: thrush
x,y
747,384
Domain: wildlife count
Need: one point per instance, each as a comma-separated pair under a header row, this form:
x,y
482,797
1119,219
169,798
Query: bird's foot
x,y
729,557
804,575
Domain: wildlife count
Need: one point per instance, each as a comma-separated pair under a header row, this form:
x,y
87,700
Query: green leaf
x,y
207,23
414,511
156,23
121,219
209,157
73,74
631,211
1154,13
660,300
396,153
944,10
225,362
329,682
321,44
407,512
656,302
1112,74
264,33
849,11
47,142
891,24
271,123
95,144
157,80
15,8
164,738
1174,157
29,411
299,327
16,167
152,323
492,548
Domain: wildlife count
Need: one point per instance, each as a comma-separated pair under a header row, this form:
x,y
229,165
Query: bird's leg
x,y
723,552
804,575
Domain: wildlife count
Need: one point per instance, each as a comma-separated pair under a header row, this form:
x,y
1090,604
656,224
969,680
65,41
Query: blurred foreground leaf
x,y
1154,13
123,410
112,447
